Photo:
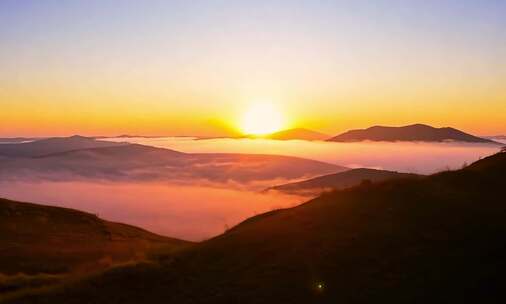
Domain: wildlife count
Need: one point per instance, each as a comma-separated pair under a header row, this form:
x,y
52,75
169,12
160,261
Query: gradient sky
x,y
192,67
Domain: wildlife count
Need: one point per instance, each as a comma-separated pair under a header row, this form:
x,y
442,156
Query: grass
x,y
41,245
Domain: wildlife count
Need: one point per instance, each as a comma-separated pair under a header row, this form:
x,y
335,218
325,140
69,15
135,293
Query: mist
x,y
198,196
411,157
188,212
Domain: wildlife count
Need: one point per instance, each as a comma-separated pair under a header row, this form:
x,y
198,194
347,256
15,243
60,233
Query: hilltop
x,y
296,133
416,132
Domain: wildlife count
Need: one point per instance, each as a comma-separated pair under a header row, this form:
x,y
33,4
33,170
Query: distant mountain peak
x,y
79,137
295,133
414,132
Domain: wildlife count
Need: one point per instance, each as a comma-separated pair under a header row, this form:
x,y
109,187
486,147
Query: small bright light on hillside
x,y
262,118
320,287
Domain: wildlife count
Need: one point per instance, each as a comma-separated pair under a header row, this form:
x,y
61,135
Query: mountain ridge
x,y
414,132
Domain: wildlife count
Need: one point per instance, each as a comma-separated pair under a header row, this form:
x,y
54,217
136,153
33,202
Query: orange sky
x,y
193,69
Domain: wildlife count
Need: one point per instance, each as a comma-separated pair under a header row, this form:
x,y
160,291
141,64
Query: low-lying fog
x,y
187,212
413,157
197,212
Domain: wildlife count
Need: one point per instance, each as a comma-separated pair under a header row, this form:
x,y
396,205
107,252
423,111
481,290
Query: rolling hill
x,y
47,242
339,181
53,145
85,158
416,132
437,239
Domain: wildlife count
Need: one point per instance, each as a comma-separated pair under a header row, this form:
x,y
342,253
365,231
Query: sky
x,y
195,67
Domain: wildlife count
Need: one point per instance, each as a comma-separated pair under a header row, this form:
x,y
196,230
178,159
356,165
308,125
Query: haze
x,y
411,157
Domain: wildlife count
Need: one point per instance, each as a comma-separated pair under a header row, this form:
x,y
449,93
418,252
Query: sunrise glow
x,y
262,118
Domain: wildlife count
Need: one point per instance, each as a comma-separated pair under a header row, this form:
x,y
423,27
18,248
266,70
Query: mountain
x,y
340,180
438,239
297,133
85,158
47,146
289,134
47,243
416,132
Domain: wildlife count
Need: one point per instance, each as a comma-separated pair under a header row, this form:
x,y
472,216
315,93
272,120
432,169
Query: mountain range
x,y
414,132
437,239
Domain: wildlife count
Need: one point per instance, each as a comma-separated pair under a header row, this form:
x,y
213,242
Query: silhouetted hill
x,y
67,238
297,133
52,145
417,132
437,239
51,242
340,180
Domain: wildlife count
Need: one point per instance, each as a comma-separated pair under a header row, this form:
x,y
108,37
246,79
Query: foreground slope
x,y
44,239
416,132
439,239
340,180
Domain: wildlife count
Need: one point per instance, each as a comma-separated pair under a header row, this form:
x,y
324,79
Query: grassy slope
x,y
41,241
37,238
439,239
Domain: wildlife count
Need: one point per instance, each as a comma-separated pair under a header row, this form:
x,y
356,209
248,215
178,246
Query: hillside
x,y
439,239
68,239
38,240
416,132
339,181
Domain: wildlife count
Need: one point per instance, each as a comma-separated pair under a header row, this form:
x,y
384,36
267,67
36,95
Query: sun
x,y
262,118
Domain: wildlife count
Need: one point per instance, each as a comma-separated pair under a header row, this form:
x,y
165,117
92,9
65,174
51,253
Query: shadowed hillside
x,y
416,132
439,239
43,241
340,180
